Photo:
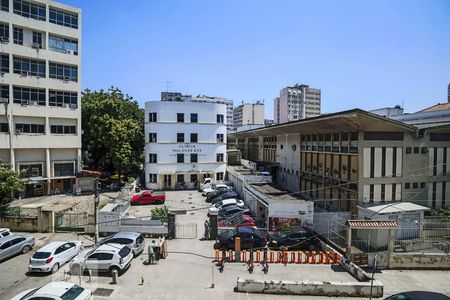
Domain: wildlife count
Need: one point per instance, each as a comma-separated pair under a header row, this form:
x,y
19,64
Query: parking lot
x,y
188,271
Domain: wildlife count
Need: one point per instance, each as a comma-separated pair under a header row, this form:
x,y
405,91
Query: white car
x,y
4,232
215,208
53,255
212,189
56,290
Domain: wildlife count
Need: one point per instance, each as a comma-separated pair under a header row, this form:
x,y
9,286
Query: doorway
x,y
167,181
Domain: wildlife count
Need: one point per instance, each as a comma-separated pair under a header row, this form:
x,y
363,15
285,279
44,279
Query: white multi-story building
x,y
40,82
248,114
297,102
185,142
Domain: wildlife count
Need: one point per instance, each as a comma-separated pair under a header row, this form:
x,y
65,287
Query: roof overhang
x,y
371,224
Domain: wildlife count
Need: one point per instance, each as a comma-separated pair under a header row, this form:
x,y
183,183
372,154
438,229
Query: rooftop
x,y
396,207
275,193
436,107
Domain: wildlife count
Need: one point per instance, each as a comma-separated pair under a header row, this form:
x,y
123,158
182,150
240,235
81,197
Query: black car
x,y
250,238
217,193
293,239
232,210
418,295
228,195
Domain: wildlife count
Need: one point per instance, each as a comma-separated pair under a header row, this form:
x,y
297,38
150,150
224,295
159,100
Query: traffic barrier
x,y
230,255
292,257
258,256
299,257
271,256
327,258
313,257
279,258
251,256
335,258
321,257
244,255
306,257
217,255
285,258
265,255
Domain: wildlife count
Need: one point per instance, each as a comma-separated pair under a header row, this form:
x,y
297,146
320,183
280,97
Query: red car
x,y
246,222
149,197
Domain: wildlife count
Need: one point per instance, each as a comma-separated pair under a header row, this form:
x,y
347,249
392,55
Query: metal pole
x,y
96,201
212,271
373,275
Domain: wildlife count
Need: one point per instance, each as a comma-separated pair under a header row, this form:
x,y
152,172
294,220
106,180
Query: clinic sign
x,y
187,149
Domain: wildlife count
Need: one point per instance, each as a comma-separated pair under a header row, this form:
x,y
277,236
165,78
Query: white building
x,y
297,102
40,82
185,142
248,114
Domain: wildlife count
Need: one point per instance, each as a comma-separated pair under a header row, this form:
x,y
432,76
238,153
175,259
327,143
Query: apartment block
x,y
297,102
248,114
185,142
40,89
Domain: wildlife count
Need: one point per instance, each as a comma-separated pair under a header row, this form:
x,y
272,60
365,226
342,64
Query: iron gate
x,y
70,221
186,231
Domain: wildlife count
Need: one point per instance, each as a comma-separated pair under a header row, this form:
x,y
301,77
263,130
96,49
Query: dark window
x,y
335,136
37,40
281,146
29,67
63,129
180,178
4,93
220,119
180,137
63,45
31,170
4,127
383,136
383,161
30,128
63,18
63,72
408,150
180,117
194,137
435,152
29,10
4,33
371,192
219,157
180,158
344,136
354,136
64,169
372,162
394,191
424,150
444,161
194,178
18,35
394,162
27,96
194,118
219,176
440,137
415,185
444,186
152,137
4,5
4,63
433,196
422,185
63,98
194,157
416,150
383,193
152,158
220,138
152,117
152,178
407,186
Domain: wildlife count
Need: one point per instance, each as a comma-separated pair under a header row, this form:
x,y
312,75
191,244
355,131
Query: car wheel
x,y
112,269
25,249
76,270
55,268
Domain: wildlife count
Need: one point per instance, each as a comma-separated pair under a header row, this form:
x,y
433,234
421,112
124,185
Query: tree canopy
x,y
113,131
10,184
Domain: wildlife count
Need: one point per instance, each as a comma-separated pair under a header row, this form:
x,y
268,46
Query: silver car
x,y
134,240
15,244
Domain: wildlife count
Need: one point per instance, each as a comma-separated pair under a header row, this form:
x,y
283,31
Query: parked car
x,y
418,295
15,244
228,195
105,258
216,187
134,240
247,221
149,197
214,209
232,210
206,183
250,238
58,290
4,232
53,255
217,193
299,238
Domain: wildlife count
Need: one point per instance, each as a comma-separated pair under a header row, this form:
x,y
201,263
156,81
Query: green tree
x,y
113,131
10,184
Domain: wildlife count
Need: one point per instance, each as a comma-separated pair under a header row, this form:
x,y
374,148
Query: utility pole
x,y
373,275
96,201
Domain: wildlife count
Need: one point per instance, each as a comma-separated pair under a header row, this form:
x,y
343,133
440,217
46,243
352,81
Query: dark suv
x,y
250,238
293,239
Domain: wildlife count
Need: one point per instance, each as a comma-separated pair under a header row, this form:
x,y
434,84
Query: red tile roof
x,y
371,224
437,107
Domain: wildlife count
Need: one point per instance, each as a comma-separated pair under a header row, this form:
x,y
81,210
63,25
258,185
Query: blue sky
x,y
365,54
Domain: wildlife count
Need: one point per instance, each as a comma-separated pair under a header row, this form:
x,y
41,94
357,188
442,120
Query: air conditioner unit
x,y
65,105
24,102
36,46
73,106
69,51
25,74
4,100
18,131
33,102
66,79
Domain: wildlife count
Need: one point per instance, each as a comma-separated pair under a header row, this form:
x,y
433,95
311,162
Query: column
x,y
78,160
48,170
9,119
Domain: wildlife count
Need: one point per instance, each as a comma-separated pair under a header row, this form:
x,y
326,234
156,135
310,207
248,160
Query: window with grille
x,y
63,129
194,157
29,10
63,98
220,138
180,158
219,157
27,96
152,117
63,72
28,67
4,63
152,178
194,137
152,138
180,137
152,158
63,18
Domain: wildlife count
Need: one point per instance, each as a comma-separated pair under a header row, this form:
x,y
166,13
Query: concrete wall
x,y
420,261
27,224
289,159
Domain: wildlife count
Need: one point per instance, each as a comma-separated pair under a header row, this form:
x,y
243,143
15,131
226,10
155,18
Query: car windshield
x,y
41,255
72,293
30,293
124,251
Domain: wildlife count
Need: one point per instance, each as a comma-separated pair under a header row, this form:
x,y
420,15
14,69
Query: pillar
x,y
78,160
349,242
48,170
390,246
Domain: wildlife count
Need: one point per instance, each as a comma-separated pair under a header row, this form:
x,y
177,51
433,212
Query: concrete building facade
x,y
388,111
354,157
185,142
248,114
40,82
296,103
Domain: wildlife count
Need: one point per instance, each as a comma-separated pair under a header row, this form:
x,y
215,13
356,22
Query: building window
x,y
27,96
383,136
4,127
219,176
30,128
180,178
407,186
194,157
63,72
63,18
415,185
4,33
180,158
4,63
220,119
29,67
219,157
63,169
63,129
152,178
37,40
63,45
422,185
220,137
152,158
180,137
194,137
440,137
4,5
31,170
416,150
152,117
408,150
180,117
281,147
18,35
152,137
424,150
194,118
63,98
29,10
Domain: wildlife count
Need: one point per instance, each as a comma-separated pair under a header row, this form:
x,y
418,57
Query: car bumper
x,y
39,269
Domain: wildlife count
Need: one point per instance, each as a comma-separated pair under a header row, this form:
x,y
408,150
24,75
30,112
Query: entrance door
x,y
167,181
66,185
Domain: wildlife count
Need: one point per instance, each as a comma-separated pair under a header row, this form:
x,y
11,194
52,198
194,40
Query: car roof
x,y
228,201
55,288
4,229
52,246
11,237
112,247
125,234
424,295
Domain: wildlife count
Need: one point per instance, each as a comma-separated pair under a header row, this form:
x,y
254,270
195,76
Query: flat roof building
x,y
297,102
248,114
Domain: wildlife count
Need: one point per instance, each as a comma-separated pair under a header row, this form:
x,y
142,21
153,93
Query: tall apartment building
x,y
297,102
40,82
185,142
248,114
175,96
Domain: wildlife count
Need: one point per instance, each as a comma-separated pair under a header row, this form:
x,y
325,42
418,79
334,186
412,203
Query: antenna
x,y
168,84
